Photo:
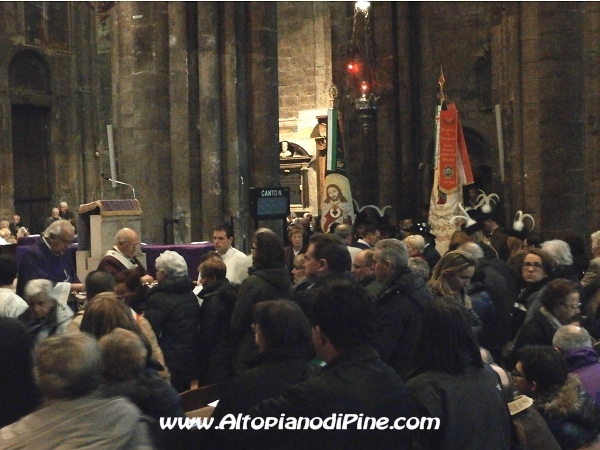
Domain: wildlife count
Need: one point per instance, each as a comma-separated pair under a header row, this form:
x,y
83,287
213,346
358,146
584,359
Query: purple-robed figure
x,y
40,261
583,363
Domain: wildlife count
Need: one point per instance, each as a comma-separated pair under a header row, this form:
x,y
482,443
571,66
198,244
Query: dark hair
x,y
547,261
209,254
332,249
283,324
328,198
131,278
8,269
343,311
295,229
269,250
18,393
543,364
534,238
557,291
447,343
370,228
99,281
213,268
228,229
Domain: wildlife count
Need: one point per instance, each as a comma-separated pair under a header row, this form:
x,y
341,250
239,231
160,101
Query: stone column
x,y
209,119
263,105
141,109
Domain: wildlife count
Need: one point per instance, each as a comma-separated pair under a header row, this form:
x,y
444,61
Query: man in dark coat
x,y
354,381
327,260
399,308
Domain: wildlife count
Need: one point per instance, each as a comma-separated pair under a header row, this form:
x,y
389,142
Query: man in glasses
x,y
47,258
122,256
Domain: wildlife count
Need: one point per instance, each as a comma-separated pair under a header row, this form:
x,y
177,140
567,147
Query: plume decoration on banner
x,y
380,211
519,224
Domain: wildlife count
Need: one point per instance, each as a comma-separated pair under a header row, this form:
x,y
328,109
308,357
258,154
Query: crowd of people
x,y
495,339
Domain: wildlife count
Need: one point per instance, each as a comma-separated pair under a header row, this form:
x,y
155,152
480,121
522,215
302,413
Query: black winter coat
x,y
173,310
398,319
215,316
261,285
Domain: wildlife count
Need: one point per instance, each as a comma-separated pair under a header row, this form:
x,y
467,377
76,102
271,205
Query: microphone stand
x,y
119,182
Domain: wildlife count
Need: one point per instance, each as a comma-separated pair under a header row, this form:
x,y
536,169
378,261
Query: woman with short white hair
x,y
173,311
46,316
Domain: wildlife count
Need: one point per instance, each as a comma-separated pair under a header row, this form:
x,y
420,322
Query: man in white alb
x,y
237,262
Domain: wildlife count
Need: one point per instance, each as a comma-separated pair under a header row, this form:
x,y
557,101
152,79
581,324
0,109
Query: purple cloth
x,y
583,363
37,261
192,253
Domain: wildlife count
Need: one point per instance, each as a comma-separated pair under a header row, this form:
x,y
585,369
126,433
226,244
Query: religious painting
x,y
337,202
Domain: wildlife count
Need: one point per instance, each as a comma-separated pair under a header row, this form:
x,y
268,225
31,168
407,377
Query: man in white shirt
x,y
237,262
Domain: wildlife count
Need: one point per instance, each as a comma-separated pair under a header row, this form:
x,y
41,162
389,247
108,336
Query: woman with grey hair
x,y
45,315
173,312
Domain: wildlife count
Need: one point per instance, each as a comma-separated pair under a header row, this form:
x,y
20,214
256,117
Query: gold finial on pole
x,y
441,82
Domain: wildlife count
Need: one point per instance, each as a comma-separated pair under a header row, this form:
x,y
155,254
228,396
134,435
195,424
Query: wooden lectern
x,y
97,224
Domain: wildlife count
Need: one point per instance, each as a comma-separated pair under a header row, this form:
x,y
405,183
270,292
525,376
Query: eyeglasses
x,y
535,265
130,244
574,307
516,374
356,266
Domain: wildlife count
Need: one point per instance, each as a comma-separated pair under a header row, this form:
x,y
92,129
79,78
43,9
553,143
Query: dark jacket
x,y
471,409
215,316
355,382
173,310
584,364
398,318
288,255
431,255
537,331
155,397
261,285
571,414
306,298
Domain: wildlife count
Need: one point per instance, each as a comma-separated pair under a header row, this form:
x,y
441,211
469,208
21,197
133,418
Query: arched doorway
x,y
29,81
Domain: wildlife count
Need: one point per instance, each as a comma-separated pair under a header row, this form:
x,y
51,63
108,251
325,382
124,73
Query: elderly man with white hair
x,y
592,275
575,344
122,256
47,258
68,372
562,257
173,312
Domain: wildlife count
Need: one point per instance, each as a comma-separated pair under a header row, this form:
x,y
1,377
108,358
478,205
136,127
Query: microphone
x,y
118,182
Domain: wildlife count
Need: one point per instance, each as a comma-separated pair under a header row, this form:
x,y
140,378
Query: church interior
x,y
200,101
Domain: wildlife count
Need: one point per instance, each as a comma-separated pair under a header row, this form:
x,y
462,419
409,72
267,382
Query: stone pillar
x,y
184,143
142,110
561,130
209,119
263,105
591,95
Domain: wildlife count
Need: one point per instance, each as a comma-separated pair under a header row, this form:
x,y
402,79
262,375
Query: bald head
x,y
571,337
127,240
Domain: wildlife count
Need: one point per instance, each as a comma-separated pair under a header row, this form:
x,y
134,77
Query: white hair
x,y
64,204
473,249
559,251
571,337
395,251
417,241
595,239
57,228
172,263
33,288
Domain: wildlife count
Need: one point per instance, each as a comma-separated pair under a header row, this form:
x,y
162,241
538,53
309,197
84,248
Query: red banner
x,y
454,165
448,162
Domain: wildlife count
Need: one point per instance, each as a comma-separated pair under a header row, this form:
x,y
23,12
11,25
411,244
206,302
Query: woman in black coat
x,y
268,279
173,311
